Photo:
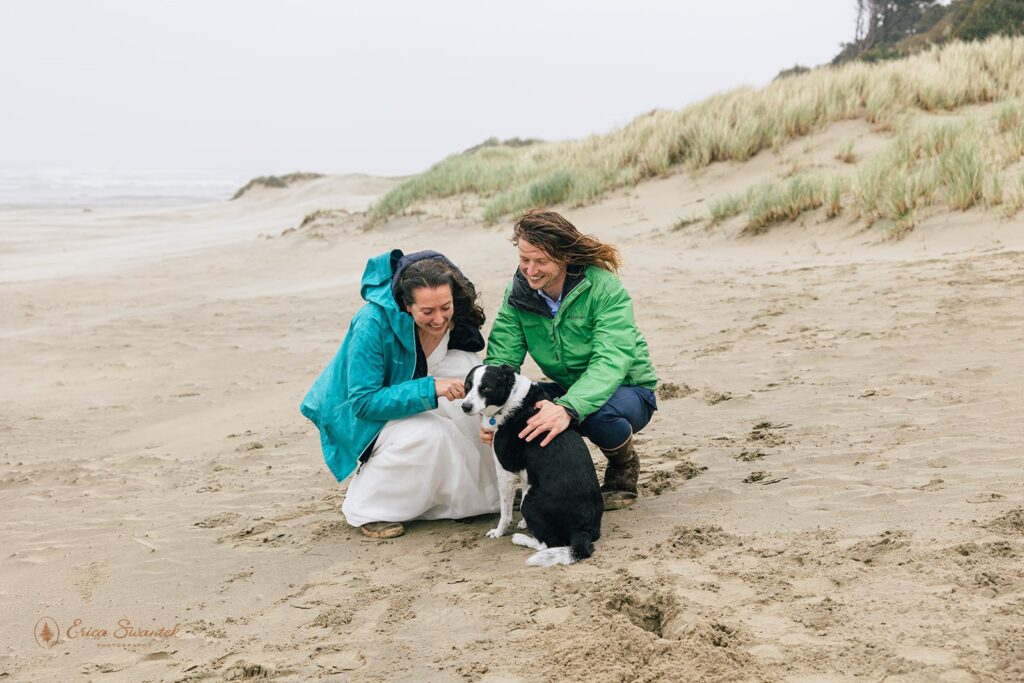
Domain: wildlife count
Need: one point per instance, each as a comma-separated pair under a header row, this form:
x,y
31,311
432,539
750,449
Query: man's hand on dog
x,y
551,418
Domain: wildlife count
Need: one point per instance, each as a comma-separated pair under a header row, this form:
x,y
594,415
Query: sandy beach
x,y
832,488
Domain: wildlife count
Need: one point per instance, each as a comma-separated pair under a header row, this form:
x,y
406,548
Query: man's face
x,y
541,270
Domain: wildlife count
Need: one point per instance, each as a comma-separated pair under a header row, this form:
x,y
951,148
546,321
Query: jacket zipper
x,y
573,295
554,340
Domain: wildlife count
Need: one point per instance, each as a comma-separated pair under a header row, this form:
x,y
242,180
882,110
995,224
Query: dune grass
x,y
726,207
845,153
962,174
835,188
1010,116
775,202
275,181
778,201
1013,197
952,160
959,164
730,126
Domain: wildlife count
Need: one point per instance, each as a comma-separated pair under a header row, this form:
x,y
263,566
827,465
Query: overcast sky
x,y
255,87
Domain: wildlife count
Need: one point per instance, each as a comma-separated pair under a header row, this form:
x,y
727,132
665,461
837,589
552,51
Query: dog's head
x,y
488,388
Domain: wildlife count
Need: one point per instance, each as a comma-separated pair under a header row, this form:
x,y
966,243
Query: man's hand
x,y
451,389
486,436
551,418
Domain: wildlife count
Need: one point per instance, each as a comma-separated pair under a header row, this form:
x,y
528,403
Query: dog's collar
x,y
515,400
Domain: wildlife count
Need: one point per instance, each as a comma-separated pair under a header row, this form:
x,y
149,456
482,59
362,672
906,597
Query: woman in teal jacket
x,y
383,405
568,310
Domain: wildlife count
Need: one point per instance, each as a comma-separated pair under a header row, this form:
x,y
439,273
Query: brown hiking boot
x,y
620,477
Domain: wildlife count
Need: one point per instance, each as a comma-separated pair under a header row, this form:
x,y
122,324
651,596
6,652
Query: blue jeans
x,y
626,412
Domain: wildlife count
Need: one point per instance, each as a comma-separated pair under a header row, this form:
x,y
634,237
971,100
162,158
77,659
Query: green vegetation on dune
x,y
957,165
275,181
775,202
732,126
495,142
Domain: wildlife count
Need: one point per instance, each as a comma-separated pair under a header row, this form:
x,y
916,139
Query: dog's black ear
x,y
507,378
505,367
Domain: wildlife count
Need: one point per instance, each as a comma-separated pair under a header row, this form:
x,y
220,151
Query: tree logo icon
x,y
47,632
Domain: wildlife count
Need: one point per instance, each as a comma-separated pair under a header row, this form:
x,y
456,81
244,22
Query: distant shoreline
x,y
161,202
103,188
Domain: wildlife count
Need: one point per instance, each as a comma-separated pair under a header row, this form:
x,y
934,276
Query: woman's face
x,y
541,270
432,309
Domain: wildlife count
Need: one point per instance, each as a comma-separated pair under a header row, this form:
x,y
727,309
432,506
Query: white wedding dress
x,y
430,465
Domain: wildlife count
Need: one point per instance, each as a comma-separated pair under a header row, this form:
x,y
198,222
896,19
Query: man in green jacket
x,y
568,309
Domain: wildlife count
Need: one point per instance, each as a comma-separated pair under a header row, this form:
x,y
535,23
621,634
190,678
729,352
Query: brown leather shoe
x,y
621,475
381,530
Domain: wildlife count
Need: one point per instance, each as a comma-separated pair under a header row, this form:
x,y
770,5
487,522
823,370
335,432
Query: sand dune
x,y
45,243
832,487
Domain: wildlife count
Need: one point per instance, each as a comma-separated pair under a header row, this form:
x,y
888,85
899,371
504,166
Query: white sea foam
x,y
107,187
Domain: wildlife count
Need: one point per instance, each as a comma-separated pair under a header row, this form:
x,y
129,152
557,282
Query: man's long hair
x,y
559,239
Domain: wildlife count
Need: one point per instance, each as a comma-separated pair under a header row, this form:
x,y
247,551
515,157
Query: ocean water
x,y
106,187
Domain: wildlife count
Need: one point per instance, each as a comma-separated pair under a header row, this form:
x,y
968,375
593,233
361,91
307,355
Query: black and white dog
x,y
564,505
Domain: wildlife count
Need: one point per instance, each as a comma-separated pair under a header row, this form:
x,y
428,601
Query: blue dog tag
x,y
492,421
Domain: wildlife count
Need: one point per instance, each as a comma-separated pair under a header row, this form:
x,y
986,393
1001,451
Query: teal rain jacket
x,y
370,379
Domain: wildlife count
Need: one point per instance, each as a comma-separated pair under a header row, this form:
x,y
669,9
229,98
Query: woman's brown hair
x,y
560,239
432,273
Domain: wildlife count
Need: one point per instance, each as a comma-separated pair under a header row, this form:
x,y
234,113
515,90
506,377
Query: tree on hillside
x,y
887,21
983,18
887,29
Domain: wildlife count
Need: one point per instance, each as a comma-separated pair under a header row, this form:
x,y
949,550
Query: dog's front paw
x,y
522,524
496,533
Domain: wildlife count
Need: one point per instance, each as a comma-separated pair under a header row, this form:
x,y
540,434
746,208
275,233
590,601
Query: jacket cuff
x,y
428,393
574,416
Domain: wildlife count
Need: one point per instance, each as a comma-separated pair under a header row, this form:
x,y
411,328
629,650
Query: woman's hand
x,y
551,418
451,389
487,436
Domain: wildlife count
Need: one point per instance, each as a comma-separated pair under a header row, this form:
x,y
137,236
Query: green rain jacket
x,y
370,380
591,347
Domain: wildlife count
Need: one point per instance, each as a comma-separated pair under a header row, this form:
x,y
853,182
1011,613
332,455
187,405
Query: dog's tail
x,y
580,548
